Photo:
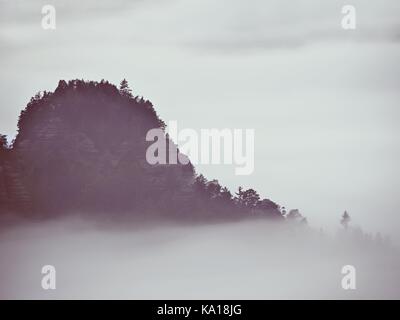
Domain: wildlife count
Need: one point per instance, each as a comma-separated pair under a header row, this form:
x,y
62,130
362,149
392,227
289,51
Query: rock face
x,y
82,149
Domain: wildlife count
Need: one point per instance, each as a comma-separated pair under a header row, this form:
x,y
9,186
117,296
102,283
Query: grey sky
x,y
323,101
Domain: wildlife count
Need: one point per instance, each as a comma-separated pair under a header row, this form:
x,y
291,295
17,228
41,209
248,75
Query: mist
x,y
255,259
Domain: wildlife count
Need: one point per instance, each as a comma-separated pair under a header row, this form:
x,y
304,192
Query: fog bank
x,y
244,260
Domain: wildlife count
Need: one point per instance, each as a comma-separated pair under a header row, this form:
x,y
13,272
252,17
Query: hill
x,y
82,148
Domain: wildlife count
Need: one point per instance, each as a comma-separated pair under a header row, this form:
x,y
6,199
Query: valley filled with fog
x,y
253,259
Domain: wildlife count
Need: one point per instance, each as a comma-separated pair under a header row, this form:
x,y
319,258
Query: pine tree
x,y
345,220
124,88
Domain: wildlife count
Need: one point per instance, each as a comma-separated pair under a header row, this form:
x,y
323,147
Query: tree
x,y
345,220
226,194
3,143
294,214
268,208
200,183
124,88
267,205
62,85
248,198
3,140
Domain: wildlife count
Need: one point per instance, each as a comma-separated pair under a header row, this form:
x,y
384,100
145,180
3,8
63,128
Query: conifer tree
x,y
124,88
345,220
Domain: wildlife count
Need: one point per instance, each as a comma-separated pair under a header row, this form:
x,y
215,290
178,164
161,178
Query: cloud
x,y
227,25
236,25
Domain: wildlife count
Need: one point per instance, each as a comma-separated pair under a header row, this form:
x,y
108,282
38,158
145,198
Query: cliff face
x,y
82,148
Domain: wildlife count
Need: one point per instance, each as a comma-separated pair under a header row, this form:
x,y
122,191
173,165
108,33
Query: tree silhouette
x,y
304,221
124,88
248,198
345,220
200,183
267,205
3,142
225,194
294,214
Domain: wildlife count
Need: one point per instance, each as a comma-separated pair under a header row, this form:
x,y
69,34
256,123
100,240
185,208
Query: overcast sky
x,y
323,101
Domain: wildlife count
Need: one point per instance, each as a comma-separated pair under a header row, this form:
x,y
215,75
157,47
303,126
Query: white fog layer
x,y
247,260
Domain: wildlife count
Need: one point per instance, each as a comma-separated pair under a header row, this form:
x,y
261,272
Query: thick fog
x,y
242,260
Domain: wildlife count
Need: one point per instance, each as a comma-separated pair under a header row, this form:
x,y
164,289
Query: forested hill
x,y
82,149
